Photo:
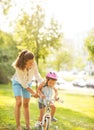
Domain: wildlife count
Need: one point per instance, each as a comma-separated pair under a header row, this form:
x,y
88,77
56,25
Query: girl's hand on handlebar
x,y
56,98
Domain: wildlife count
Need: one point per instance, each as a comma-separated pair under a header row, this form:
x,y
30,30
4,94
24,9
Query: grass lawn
x,y
76,113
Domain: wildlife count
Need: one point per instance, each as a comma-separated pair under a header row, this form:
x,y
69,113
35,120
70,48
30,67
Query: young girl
x,y
26,68
45,91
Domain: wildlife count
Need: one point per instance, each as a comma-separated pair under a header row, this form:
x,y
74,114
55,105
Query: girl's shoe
x,y
53,119
38,124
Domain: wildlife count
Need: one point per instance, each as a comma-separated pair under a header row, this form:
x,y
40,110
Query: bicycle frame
x,y
46,120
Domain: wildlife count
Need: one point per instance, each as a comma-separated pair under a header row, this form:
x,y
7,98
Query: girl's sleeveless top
x,y
47,91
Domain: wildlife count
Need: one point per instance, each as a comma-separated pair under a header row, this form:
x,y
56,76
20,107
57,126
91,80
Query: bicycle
x,y
46,120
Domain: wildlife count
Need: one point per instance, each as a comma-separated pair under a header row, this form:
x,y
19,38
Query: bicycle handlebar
x,y
47,101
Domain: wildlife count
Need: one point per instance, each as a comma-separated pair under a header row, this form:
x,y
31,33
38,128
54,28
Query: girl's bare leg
x,y
53,109
41,113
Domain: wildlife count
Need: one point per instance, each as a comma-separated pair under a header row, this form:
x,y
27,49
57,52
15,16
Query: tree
x,y
31,33
89,44
5,5
61,60
8,52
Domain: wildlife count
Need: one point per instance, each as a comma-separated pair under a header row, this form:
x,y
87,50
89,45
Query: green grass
x,y
76,113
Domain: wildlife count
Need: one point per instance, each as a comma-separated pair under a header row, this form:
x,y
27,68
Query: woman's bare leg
x,y
17,111
26,111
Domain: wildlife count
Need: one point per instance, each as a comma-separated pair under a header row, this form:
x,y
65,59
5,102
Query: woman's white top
x,y
24,77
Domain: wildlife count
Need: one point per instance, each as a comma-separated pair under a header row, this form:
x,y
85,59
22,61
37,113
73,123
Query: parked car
x,y
79,83
90,83
60,84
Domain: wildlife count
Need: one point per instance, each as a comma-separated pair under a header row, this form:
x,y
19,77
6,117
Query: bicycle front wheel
x,y
46,124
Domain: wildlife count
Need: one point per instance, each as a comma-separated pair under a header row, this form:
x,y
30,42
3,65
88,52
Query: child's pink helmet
x,y
51,75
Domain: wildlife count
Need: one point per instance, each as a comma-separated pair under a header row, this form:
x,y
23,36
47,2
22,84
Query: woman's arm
x,y
37,74
32,92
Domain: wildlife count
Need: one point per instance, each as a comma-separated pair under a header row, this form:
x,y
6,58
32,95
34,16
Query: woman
x,y
26,68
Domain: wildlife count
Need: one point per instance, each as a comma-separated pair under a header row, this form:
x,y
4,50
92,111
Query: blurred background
x,y
59,33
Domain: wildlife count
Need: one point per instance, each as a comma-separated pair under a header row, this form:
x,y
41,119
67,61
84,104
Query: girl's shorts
x,y
19,90
41,105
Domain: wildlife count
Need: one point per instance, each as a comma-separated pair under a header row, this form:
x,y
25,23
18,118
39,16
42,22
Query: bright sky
x,y
76,16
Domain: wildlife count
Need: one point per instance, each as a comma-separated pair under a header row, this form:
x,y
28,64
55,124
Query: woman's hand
x,y
35,95
42,96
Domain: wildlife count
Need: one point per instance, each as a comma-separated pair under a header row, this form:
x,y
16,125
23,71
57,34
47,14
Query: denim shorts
x,y
19,90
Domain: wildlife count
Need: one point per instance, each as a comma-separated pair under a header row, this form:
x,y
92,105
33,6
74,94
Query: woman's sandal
x,y
28,128
19,128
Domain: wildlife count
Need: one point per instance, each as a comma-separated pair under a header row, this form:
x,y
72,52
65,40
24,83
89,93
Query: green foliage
x,y
64,59
89,44
31,33
7,55
5,4
53,35
79,63
60,60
